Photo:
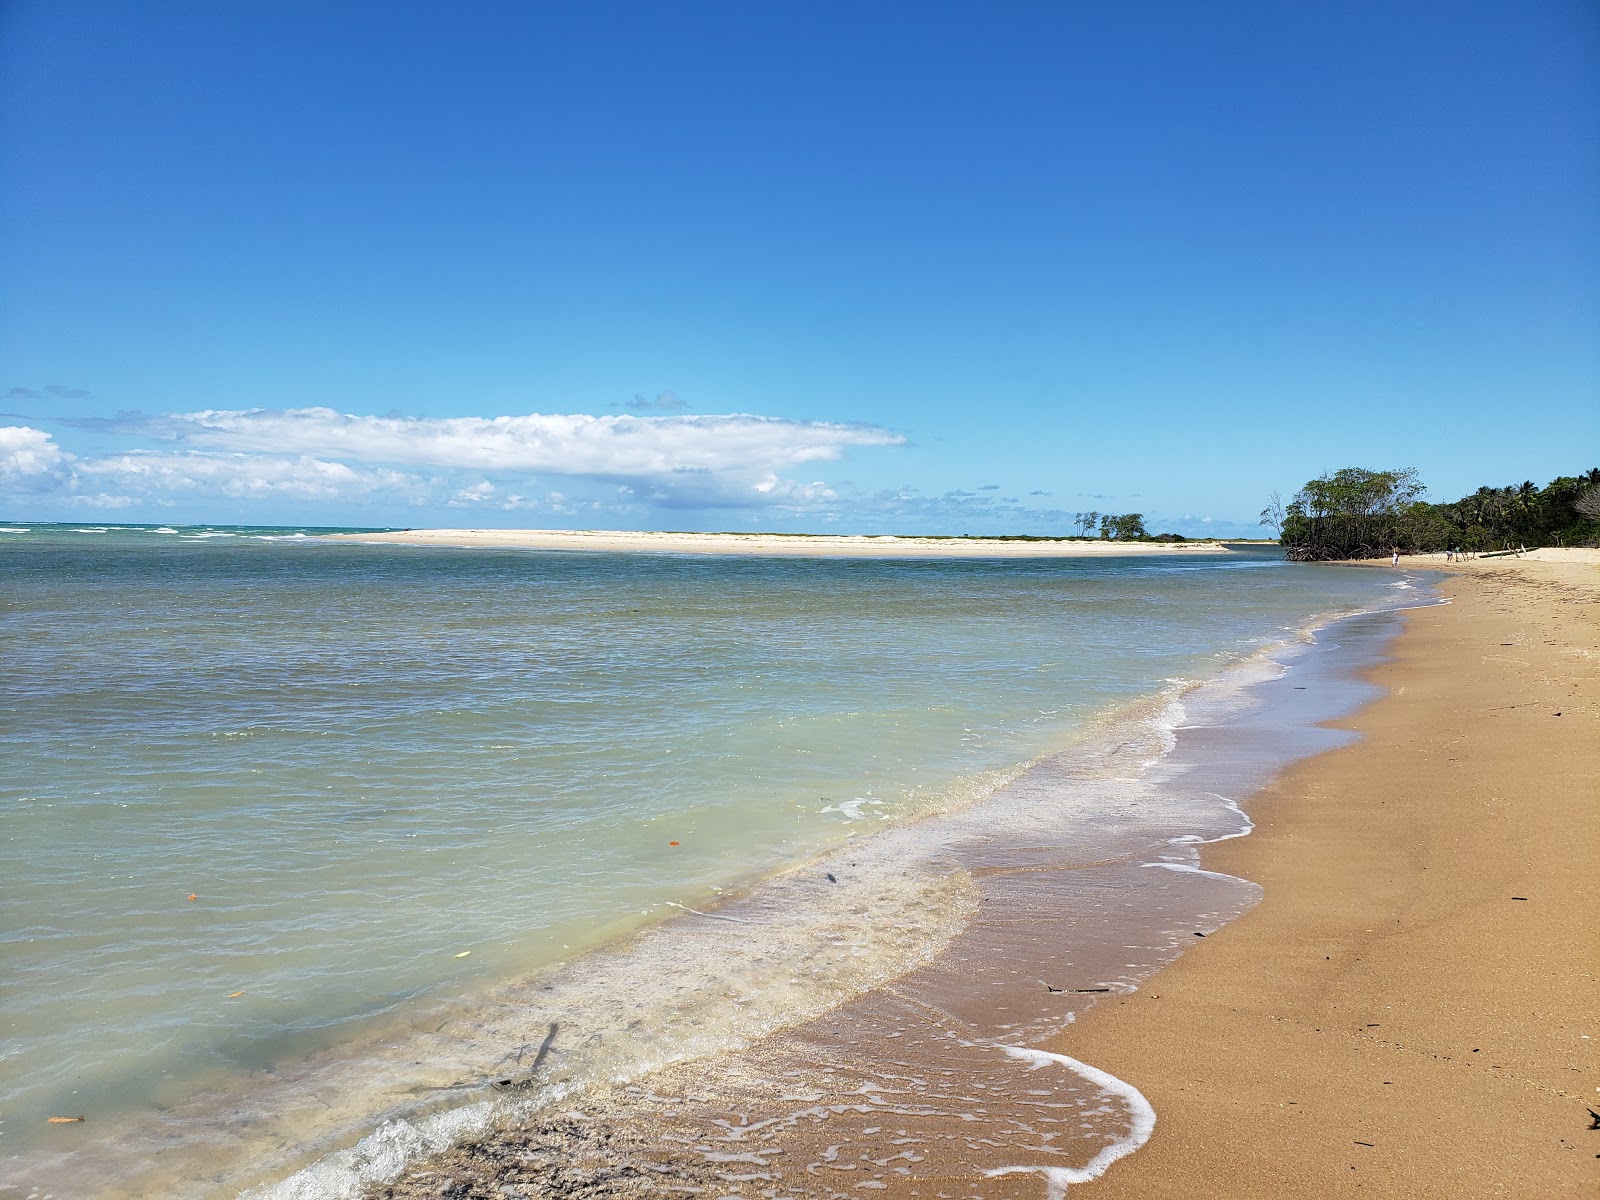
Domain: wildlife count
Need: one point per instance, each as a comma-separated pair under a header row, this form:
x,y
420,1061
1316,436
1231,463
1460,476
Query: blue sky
x,y
931,267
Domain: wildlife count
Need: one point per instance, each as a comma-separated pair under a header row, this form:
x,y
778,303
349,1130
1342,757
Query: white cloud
x,y
674,461
31,457
100,501
615,445
478,493
28,454
300,478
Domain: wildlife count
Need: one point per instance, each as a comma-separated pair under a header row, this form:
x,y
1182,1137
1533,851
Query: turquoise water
x,y
390,776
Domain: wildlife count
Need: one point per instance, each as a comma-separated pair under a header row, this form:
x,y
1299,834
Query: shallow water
x,y
403,783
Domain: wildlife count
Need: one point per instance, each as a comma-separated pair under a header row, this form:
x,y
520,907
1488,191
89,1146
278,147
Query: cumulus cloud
x,y
479,493
32,463
681,461
299,477
318,454
569,444
28,454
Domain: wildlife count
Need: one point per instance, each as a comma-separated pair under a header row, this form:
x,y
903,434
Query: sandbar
x,y
778,544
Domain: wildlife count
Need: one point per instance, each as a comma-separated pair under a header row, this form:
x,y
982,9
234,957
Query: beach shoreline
x,y
277,1119
1052,949
1049,933
1411,1009
775,544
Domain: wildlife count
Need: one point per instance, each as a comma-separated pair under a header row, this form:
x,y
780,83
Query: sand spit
x,y
801,545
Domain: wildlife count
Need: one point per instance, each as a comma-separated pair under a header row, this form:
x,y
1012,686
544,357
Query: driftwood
x,y
517,1085
504,1085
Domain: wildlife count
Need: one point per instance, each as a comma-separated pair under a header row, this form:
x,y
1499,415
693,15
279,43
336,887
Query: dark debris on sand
x,y
559,1156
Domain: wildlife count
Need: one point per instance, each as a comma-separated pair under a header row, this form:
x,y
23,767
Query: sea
x,y
321,855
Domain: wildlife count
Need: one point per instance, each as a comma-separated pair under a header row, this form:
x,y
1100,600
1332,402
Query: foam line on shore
x,y
1023,842
1007,843
380,1156
1141,1116
1400,871
1141,764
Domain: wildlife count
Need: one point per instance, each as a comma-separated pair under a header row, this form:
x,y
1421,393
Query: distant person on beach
x,y
1395,561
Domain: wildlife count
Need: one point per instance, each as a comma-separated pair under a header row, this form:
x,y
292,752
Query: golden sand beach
x,y
1412,1010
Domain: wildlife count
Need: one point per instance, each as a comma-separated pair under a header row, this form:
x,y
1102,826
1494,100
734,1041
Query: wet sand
x,y
809,545
1408,1012
1411,1010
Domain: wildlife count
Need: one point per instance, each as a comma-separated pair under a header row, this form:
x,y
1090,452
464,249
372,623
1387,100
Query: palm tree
x,y
1522,506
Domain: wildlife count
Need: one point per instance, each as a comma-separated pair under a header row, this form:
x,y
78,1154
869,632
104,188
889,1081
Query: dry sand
x,y
1411,1011
810,545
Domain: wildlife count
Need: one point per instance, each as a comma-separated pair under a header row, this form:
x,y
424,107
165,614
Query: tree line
x,y
1358,513
1122,527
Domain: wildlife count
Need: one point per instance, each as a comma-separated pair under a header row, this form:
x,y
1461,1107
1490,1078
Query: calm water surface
x,y
260,791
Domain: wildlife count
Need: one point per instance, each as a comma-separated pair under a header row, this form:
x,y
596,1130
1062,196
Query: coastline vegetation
x,y
1360,513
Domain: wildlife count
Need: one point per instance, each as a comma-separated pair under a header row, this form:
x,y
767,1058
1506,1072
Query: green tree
x,y
1356,513
1126,527
1352,513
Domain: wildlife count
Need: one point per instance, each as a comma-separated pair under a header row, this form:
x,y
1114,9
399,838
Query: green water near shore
x,y
387,774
